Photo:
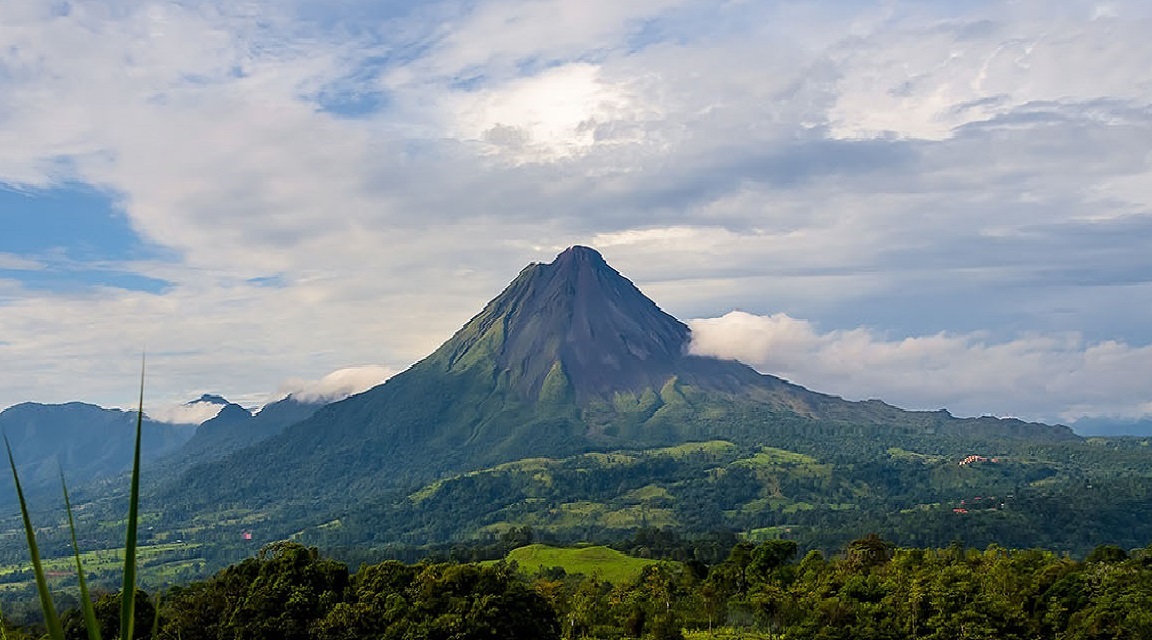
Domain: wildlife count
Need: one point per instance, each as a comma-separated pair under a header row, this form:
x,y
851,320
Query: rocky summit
x,y
575,318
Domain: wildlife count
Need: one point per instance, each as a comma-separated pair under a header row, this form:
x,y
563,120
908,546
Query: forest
x,y
871,589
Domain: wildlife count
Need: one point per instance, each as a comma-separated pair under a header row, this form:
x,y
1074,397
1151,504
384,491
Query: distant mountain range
x,y
90,443
1112,427
84,441
235,428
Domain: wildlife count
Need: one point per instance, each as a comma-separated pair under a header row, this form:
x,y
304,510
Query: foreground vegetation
x,y
871,590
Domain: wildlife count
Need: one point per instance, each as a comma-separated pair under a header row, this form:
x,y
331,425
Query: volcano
x,y
571,357
577,319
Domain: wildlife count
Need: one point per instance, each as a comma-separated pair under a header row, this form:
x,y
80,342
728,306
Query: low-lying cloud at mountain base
x,y
1044,377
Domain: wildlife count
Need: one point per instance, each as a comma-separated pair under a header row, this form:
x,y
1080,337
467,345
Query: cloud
x,y
12,262
552,115
338,384
197,412
1035,376
502,33
974,67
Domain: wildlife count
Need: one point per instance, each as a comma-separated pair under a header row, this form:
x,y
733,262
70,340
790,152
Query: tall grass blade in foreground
x,y
128,593
156,619
85,601
51,620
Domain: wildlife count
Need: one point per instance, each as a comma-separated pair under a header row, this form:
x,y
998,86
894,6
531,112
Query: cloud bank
x,y
191,413
338,384
969,374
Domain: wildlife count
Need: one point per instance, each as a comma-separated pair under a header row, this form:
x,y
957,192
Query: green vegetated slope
x,y
603,562
84,441
820,492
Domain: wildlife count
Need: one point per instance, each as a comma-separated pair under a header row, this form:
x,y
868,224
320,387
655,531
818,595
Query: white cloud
x,y
500,33
557,113
926,76
190,413
338,384
17,263
967,373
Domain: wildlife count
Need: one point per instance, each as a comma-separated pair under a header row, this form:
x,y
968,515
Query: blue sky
x,y
76,221
939,204
70,238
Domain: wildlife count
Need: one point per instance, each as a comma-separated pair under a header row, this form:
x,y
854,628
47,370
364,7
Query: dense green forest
x,y
872,589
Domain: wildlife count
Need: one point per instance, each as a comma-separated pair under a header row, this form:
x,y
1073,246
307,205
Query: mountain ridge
x,y
235,428
86,441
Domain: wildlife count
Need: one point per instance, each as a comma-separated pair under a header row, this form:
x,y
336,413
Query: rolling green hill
x,y
602,562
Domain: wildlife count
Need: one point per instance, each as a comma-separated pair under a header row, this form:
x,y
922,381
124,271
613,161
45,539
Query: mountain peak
x,y
575,320
210,398
579,254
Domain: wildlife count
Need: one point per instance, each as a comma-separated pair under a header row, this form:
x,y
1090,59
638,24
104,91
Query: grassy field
x,y
157,564
608,564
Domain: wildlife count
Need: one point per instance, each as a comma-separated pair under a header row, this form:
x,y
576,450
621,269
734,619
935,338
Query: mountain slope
x,y
1112,427
570,357
87,442
235,428
820,492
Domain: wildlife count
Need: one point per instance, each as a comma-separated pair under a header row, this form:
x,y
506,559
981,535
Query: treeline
x,y
647,542
872,590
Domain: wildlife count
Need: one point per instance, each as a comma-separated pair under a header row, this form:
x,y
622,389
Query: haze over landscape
x,y
939,204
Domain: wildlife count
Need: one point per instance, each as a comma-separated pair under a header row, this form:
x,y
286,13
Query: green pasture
x,y
603,562
157,563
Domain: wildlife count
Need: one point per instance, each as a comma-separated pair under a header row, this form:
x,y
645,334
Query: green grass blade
x,y
55,631
128,593
85,601
156,619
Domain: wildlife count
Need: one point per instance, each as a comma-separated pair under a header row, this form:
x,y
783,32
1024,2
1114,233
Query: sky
x,y
942,204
